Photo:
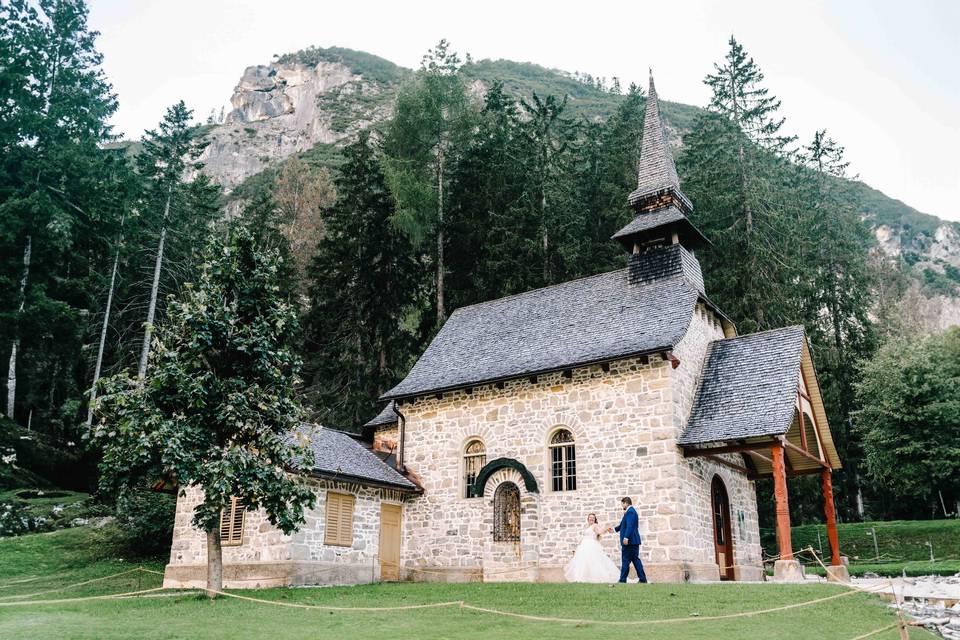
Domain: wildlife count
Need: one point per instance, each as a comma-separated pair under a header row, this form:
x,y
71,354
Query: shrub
x,y
146,519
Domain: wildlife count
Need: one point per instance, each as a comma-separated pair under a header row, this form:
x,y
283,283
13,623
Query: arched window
x,y
474,457
563,461
506,513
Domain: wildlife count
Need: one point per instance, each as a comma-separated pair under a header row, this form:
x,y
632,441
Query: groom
x,y
629,542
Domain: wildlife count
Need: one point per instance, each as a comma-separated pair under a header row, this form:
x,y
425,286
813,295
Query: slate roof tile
x,y
337,453
599,318
748,387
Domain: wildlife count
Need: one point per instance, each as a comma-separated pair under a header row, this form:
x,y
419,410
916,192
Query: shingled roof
x,y
594,319
656,171
748,387
338,456
386,416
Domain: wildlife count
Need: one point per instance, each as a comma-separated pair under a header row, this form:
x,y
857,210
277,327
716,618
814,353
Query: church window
x,y
339,519
506,513
474,457
231,523
563,461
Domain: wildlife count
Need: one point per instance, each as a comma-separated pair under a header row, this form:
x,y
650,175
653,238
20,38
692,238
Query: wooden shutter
x,y
339,519
231,523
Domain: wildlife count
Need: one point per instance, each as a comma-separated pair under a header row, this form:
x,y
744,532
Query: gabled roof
x,y
595,319
748,387
386,416
748,392
338,456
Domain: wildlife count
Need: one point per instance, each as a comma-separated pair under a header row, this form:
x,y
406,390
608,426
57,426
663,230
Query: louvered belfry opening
x,y
231,523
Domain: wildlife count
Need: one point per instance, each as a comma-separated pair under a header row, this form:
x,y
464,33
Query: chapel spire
x,y
658,203
657,180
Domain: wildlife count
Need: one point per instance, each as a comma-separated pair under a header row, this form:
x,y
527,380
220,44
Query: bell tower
x,y
661,239
660,207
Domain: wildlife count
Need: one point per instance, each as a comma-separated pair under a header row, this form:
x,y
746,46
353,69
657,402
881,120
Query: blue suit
x,y
630,553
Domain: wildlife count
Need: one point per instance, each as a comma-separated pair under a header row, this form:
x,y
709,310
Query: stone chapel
x,y
527,413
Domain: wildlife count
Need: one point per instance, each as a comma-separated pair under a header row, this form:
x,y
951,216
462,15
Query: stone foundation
x,y
257,575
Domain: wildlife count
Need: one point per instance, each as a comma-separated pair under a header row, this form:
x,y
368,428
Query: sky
x,y
882,76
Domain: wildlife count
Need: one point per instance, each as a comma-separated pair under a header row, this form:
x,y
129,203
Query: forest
x,y
457,198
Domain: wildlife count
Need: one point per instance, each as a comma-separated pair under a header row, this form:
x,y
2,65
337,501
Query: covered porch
x,y
759,410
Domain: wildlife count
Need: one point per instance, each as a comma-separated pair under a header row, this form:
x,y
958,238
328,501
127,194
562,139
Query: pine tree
x,y
219,411
841,284
52,125
431,116
364,283
166,156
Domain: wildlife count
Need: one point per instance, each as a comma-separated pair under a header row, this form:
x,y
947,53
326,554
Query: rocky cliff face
x,y
318,96
282,109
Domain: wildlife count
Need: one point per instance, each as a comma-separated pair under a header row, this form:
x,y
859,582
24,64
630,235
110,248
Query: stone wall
x,y
267,557
697,474
625,422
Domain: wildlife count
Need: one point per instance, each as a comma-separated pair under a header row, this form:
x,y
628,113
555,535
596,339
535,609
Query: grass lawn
x,y
36,563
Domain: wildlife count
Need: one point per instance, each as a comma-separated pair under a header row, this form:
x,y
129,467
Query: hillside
x,y
311,102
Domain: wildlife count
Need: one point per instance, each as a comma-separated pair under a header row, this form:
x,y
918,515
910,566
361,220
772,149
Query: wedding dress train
x,y
590,563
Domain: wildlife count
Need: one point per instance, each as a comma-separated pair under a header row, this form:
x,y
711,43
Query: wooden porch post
x,y
783,507
830,514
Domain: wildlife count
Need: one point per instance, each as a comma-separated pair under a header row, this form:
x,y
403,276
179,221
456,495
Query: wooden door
x,y
722,538
390,541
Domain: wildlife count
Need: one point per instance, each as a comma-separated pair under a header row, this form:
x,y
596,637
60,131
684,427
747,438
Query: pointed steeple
x,y
656,172
660,206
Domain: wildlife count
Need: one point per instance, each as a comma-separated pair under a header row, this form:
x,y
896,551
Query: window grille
x,y
506,513
474,457
338,526
563,461
231,523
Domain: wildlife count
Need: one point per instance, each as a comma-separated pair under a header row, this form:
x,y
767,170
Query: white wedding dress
x,y
590,563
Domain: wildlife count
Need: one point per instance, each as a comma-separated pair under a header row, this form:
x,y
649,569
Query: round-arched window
x,y
563,461
474,457
506,513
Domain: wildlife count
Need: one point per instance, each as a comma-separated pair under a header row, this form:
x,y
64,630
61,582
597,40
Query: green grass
x,y
895,569
46,561
897,540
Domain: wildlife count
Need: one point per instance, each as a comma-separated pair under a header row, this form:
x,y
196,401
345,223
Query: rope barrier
x,y
110,596
80,584
297,605
16,583
876,631
463,605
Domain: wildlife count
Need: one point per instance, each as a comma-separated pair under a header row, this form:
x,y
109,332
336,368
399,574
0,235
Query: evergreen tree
x,y
54,210
219,410
745,198
431,116
168,153
364,283
841,282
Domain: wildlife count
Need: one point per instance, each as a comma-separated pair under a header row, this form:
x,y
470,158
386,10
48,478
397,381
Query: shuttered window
x,y
231,523
339,522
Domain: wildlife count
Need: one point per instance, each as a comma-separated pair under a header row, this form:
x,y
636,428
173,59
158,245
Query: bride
x,y
590,563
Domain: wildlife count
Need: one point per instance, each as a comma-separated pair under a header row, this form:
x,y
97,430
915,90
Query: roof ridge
x,y
765,331
549,286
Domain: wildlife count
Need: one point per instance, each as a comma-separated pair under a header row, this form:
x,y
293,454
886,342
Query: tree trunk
x,y
12,365
103,339
441,307
214,563
152,308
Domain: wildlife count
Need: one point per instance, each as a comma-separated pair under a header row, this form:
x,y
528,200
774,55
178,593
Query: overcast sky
x,y
882,76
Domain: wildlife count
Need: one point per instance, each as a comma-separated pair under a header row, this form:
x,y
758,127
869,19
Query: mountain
x,y
310,102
